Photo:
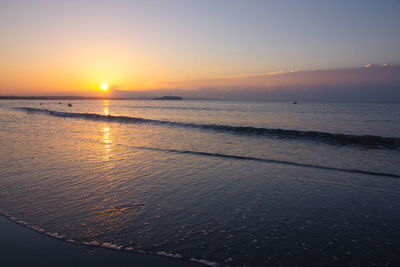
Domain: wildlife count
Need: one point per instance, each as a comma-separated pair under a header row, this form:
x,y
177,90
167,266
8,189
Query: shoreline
x,y
22,246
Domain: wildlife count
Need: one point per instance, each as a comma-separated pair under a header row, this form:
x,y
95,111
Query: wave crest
x,y
367,141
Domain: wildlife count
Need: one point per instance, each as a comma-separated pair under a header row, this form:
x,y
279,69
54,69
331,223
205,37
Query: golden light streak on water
x,y
107,141
106,107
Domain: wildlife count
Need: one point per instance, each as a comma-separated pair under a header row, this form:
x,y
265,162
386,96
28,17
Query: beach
x,y
21,246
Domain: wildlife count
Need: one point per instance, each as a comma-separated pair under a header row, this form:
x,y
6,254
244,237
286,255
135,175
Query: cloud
x,y
370,73
368,83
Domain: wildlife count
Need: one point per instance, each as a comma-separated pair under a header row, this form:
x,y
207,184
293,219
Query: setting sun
x,y
104,86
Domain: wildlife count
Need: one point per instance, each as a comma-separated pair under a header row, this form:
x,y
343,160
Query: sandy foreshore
x,y
21,246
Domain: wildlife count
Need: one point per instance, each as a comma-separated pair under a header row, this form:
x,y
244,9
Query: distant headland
x,y
170,97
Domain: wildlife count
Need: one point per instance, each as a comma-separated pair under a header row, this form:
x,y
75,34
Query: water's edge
x,y
106,245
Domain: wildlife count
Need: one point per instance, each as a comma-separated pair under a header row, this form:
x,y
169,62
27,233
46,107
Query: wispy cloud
x,y
369,82
370,73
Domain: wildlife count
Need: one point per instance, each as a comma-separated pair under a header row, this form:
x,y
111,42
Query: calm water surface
x,y
235,183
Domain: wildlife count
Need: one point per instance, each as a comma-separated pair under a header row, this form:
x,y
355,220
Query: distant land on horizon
x,y
60,98
89,98
168,97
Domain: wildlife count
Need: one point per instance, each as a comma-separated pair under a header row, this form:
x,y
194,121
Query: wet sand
x,y
21,246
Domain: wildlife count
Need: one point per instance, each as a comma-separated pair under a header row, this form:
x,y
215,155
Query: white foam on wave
x,y
93,243
205,262
162,253
112,246
37,229
55,235
33,227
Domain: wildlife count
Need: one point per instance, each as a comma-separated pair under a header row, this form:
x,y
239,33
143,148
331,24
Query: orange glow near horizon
x,y
72,47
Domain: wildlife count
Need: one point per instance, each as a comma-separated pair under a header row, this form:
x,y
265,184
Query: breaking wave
x,y
218,155
367,141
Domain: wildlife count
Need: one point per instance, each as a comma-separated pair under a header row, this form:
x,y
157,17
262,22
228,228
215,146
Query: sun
x,y
104,86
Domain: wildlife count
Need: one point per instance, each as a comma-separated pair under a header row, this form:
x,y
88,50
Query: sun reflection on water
x,y
106,107
107,141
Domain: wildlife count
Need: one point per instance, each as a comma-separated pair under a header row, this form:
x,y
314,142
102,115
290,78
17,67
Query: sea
x,y
228,183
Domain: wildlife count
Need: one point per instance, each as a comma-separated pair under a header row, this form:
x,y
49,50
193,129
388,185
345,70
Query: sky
x,y
59,47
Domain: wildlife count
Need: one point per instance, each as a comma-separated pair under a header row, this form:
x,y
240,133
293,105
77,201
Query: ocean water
x,y
230,183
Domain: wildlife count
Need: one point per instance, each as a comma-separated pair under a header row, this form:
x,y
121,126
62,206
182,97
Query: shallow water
x,y
209,180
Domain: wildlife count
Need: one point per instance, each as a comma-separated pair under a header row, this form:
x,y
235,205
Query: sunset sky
x,y
52,47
